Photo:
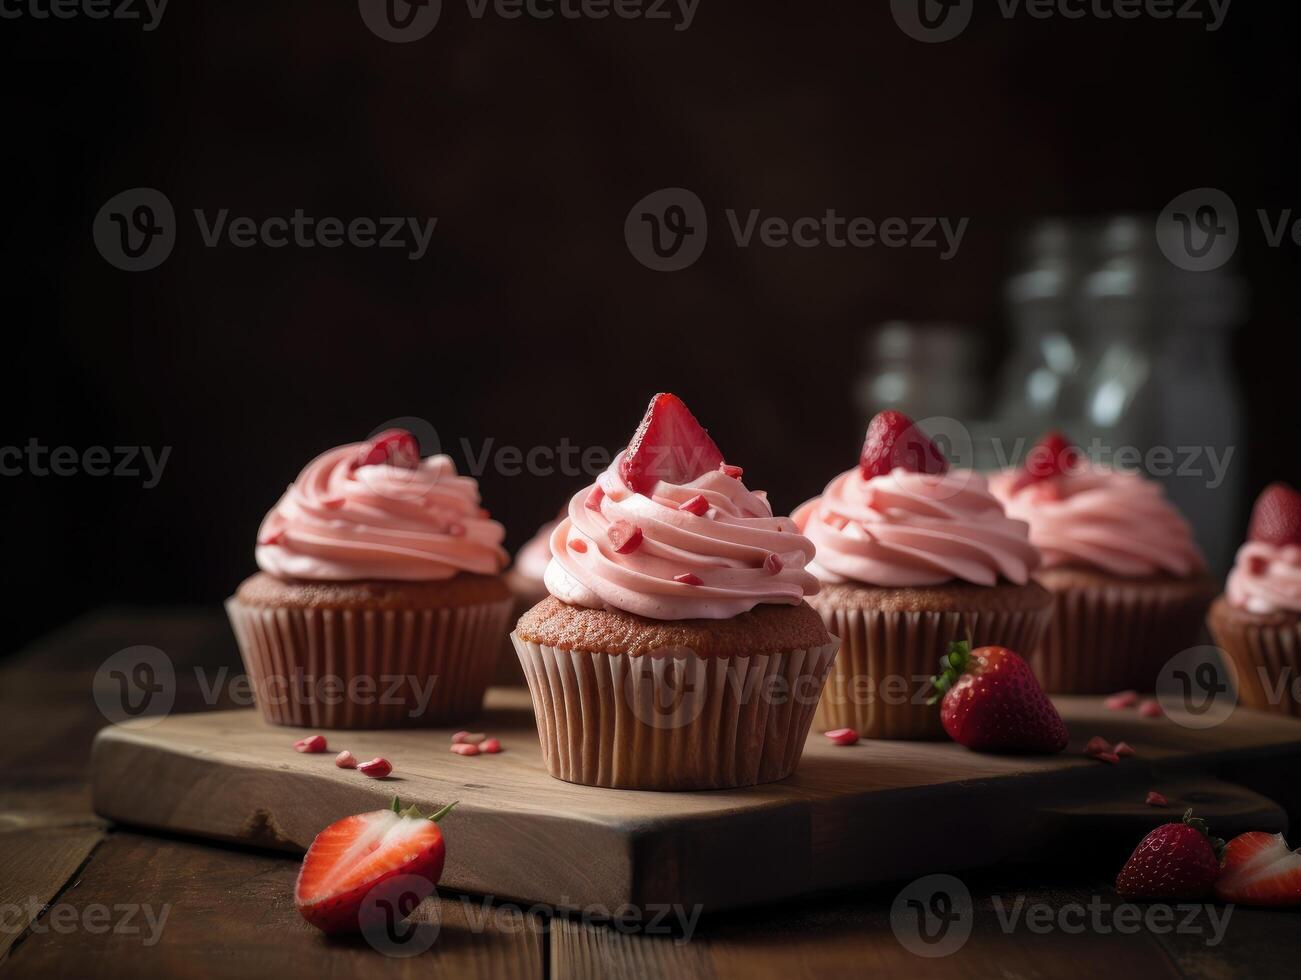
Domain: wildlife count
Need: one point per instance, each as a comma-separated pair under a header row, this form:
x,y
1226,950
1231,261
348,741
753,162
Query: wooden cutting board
x,y
876,811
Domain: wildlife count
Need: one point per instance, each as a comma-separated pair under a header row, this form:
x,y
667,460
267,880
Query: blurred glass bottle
x,y
1118,403
1039,377
932,372
1202,407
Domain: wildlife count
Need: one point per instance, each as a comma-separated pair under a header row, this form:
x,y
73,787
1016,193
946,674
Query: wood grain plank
x,y
229,776
839,938
215,913
35,865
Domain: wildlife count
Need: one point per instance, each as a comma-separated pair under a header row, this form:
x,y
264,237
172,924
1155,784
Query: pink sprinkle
x,y
377,768
1108,757
334,503
457,530
465,749
1121,700
345,760
579,545
594,498
1097,745
492,746
1124,750
312,743
686,578
625,537
733,471
471,738
459,737
1151,708
842,736
773,563
1156,799
697,505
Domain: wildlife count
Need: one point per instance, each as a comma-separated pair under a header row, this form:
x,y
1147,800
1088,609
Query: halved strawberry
x,y
1259,869
1276,518
1177,860
894,442
346,869
397,447
1053,455
993,703
669,445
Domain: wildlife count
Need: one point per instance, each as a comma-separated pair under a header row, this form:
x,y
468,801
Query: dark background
x,y
528,321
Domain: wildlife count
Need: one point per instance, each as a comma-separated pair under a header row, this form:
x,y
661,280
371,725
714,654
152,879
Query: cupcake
x,y
524,578
380,600
912,556
1129,584
674,650
1257,621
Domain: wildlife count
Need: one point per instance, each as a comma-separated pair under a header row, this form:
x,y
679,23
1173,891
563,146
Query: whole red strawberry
x,y
993,702
1259,869
1177,860
1053,455
1276,518
894,442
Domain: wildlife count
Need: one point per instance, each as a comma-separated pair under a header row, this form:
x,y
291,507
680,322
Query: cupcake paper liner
x,y
1266,659
880,682
1112,638
344,668
672,719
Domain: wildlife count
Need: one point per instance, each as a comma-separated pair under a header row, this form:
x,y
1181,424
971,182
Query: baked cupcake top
x,y
1080,514
670,532
902,518
1266,576
376,510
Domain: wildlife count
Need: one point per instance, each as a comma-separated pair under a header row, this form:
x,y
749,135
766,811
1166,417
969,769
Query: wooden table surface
x,y
79,898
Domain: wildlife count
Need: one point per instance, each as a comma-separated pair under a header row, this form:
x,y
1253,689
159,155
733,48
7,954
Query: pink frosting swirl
x,y
910,529
739,553
1114,520
1266,578
341,522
